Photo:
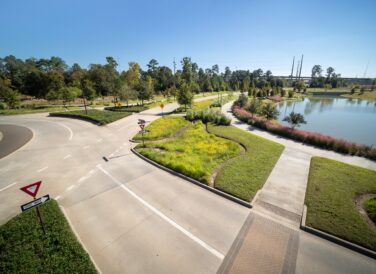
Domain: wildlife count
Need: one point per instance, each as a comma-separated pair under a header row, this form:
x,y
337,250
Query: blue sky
x,y
239,34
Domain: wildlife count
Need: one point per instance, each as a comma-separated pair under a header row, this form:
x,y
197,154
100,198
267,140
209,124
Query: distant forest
x,y
53,79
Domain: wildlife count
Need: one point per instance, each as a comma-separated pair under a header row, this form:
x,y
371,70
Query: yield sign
x,y
142,126
32,189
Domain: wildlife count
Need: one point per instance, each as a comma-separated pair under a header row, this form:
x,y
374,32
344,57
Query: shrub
x,y
208,116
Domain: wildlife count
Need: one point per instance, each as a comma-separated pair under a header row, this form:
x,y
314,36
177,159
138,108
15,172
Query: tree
x,y
329,72
299,85
316,71
270,111
245,85
242,100
132,75
185,97
295,119
68,94
254,106
146,89
9,96
126,93
88,90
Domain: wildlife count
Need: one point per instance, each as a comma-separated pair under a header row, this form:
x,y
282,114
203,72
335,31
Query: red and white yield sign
x,y
32,189
142,126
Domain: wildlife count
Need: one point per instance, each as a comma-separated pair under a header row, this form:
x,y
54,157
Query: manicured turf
x,y
370,207
246,174
195,153
163,128
25,249
332,188
127,109
34,110
97,116
367,95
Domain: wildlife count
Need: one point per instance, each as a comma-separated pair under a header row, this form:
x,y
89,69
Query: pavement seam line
x,y
164,217
8,186
70,131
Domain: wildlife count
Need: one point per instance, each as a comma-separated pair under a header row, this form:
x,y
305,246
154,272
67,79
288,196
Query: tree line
x,y
53,79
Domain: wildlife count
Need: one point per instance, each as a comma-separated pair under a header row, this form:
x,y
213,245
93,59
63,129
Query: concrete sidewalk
x,y
282,196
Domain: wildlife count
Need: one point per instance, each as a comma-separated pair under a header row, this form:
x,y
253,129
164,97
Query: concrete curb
x,y
334,239
255,198
216,191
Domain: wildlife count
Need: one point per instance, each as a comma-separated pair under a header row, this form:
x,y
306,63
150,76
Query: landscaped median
x,y
332,193
24,248
229,159
99,117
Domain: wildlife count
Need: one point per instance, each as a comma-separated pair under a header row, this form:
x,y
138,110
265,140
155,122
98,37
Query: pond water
x,y
350,119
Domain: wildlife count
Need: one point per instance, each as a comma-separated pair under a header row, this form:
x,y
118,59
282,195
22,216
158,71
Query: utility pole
x,y
174,66
292,70
301,64
297,70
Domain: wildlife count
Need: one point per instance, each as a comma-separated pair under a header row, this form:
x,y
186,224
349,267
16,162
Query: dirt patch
x,y
359,202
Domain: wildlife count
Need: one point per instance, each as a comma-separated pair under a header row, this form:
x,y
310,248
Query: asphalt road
x,y
135,218
13,137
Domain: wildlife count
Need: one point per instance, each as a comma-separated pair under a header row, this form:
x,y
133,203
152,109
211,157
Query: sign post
x,y
142,123
162,106
32,190
142,126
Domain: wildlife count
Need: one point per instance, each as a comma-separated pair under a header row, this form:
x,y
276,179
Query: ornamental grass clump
x,y
208,116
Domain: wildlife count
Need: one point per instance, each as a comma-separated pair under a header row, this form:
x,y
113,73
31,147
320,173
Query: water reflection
x,y
346,118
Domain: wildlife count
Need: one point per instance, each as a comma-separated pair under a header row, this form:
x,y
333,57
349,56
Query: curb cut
x,y
216,191
334,239
255,198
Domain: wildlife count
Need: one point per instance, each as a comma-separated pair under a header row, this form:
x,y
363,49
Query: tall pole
x,y
174,63
292,69
297,70
301,64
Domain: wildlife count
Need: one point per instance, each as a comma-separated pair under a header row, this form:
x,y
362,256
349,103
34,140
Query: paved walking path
x,y
270,240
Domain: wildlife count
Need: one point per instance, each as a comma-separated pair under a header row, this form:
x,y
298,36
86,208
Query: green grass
x,y
127,109
248,173
25,249
367,95
370,207
332,188
35,110
97,116
195,153
163,128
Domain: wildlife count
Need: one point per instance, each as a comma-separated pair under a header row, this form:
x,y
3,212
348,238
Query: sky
x,y
236,33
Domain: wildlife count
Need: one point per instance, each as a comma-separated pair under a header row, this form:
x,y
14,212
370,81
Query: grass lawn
x,y
35,110
94,115
367,95
332,188
370,207
25,249
194,153
248,173
127,108
163,128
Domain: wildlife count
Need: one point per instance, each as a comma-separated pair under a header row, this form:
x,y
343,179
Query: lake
x,y
350,119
